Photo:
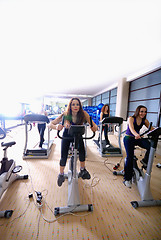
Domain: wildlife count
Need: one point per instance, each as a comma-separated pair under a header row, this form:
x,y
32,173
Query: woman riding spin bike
x,y
74,115
132,139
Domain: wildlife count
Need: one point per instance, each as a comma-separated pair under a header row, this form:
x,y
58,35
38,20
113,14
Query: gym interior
x,y
28,206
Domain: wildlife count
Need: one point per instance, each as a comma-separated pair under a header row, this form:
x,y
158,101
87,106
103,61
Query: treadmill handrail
x,y
2,133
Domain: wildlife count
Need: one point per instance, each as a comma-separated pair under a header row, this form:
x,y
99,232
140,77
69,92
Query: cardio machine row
x,y
76,133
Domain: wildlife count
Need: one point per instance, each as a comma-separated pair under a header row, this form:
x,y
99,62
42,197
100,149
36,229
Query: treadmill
x,y
34,153
110,151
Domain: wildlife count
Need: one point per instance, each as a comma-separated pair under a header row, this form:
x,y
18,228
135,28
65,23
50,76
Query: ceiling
x,y
76,47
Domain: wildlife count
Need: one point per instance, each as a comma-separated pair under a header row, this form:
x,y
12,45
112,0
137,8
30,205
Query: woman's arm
x,y
87,117
101,116
55,123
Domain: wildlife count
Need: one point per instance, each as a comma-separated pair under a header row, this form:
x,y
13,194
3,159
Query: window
x,y
146,91
109,98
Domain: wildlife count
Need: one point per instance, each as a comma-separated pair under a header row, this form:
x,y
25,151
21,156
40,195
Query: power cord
x,y
116,166
38,198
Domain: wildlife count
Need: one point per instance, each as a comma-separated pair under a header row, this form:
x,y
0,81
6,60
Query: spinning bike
x,y
75,131
143,179
8,172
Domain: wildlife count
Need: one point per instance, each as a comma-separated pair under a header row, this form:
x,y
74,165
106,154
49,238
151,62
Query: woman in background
x,y
105,112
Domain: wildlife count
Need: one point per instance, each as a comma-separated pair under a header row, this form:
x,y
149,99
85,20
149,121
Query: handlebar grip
x,y
150,125
58,134
61,137
90,137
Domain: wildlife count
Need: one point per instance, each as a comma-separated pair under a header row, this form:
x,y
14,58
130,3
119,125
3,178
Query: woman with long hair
x,y
105,112
132,139
74,115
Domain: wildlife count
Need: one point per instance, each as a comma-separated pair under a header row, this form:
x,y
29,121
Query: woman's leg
x,y
106,134
144,143
41,129
129,143
84,174
64,154
81,150
99,134
42,134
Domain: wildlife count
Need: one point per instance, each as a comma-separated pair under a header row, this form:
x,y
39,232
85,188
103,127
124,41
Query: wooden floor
x,y
113,216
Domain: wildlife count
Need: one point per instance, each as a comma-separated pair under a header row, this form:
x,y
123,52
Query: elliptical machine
x,y
143,179
76,131
8,172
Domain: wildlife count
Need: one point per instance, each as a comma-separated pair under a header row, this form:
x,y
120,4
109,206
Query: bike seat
x,y
8,144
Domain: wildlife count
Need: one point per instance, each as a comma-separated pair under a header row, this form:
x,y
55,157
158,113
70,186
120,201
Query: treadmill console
x,y
117,120
36,118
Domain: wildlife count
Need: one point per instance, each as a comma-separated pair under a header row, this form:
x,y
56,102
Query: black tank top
x,y
136,127
105,115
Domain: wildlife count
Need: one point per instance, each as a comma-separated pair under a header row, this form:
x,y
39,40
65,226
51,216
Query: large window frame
x,y
146,90
108,97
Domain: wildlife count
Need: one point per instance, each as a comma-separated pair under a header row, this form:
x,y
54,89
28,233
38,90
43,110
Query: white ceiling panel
x,y
75,47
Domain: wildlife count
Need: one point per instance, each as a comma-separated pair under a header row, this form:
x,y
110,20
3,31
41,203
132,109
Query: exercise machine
x,y
8,172
71,147
36,153
110,151
135,166
143,179
75,131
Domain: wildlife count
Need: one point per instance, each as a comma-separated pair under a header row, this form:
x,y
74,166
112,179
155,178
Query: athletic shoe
x,y
84,174
127,183
158,165
60,180
107,145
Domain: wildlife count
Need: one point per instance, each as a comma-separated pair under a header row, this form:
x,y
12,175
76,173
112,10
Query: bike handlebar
x,y
89,137
150,125
70,138
156,132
